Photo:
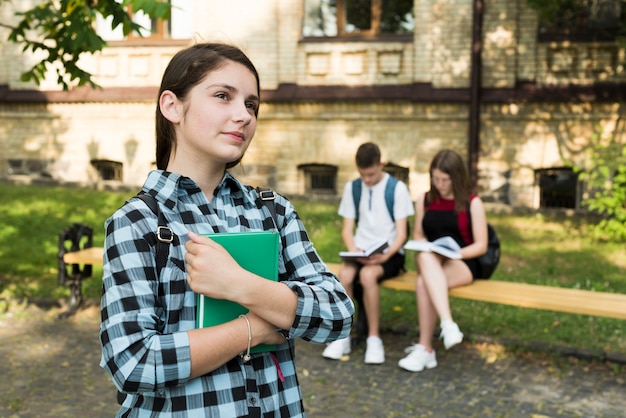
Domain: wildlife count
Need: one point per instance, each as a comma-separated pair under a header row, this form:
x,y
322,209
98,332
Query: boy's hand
x,y
377,258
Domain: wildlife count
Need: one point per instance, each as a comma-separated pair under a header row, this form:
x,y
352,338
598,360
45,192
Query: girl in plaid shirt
x,y
206,117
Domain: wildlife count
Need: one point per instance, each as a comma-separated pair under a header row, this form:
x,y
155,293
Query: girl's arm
x,y
418,233
479,230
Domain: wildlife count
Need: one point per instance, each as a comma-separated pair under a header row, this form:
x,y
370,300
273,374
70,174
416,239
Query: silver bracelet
x,y
246,357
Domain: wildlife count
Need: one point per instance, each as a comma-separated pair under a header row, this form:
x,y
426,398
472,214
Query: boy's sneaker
x,y
337,349
418,359
375,352
451,334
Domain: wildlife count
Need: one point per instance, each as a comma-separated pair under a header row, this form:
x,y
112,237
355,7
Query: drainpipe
x,y
475,90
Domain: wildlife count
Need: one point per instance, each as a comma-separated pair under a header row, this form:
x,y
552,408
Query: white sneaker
x,y
451,334
375,352
412,347
418,359
337,349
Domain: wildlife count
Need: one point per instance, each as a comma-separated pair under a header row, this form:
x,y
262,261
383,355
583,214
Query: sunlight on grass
x,y
550,249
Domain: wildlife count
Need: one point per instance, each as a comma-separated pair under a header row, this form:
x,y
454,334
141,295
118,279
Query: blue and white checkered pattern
x,y
145,318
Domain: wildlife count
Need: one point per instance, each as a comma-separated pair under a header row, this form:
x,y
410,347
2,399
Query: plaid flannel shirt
x,y
145,318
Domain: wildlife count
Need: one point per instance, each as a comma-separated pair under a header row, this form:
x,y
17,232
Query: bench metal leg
x,y
74,301
73,238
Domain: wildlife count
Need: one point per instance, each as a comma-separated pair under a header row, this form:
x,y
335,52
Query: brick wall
x,y
517,136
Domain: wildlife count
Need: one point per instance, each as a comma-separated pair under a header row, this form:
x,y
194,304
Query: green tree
x,y
605,175
604,169
63,30
595,18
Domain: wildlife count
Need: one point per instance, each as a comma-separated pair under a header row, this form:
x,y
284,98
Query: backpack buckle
x,y
165,234
267,195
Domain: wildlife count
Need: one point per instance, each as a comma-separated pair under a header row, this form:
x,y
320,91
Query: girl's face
x,y
218,117
442,182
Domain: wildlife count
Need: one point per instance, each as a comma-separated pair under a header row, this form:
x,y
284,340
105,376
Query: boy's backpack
x,y
390,190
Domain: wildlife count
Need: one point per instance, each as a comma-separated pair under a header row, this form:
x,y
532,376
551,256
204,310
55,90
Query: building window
x,y
179,26
358,18
151,27
557,187
319,178
28,167
399,172
582,21
108,170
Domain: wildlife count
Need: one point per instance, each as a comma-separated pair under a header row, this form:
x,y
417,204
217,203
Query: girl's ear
x,y
171,107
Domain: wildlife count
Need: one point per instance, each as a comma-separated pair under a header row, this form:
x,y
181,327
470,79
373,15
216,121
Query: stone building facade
x,y
539,98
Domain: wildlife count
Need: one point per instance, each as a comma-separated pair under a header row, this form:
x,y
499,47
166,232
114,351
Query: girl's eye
x,y
252,106
222,95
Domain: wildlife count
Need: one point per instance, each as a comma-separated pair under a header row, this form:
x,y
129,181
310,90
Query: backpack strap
x,y
164,234
390,191
164,237
356,197
267,198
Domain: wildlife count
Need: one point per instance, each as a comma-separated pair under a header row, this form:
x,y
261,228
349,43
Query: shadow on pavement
x,y
50,369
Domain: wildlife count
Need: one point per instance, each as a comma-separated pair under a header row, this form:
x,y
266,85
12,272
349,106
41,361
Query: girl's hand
x,y
211,270
263,332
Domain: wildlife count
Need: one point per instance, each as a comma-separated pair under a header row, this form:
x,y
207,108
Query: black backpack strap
x,y
267,198
164,234
164,237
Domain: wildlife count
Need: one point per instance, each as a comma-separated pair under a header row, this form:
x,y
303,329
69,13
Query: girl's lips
x,y
235,134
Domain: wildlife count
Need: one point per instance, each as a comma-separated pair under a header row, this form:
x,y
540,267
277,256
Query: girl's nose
x,y
243,113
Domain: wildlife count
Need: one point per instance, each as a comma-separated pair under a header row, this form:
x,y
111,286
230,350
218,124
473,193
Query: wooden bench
x,y
92,255
586,302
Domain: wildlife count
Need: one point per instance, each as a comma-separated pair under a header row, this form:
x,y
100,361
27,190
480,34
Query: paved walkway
x,y
49,368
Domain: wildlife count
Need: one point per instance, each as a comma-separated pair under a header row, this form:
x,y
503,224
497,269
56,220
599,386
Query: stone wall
x,y
517,136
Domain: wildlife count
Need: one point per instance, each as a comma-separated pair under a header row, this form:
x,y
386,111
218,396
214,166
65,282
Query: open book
x,y
256,252
446,246
377,247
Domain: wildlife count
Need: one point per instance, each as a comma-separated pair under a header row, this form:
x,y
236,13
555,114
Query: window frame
x,y
159,34
372,34
400,172
342,20
312,170
557,185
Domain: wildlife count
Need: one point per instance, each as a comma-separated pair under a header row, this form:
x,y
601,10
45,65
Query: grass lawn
x,y
551,249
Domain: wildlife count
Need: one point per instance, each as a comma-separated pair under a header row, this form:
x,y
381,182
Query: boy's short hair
x,y
367,155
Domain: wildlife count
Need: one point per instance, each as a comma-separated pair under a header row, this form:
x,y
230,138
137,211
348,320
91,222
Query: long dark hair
x,y
451,163
187,69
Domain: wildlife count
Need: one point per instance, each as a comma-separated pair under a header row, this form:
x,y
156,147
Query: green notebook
x,y
256,252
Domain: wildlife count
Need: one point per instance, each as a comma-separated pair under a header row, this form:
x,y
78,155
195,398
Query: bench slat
x,y
91,255
545,297
586,302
